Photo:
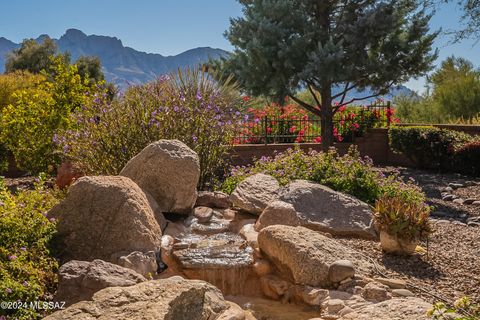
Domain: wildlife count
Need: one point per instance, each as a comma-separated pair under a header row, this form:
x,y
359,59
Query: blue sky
x,y
165,26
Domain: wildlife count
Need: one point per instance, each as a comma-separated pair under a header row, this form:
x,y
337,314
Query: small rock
x,y
248,233
203,214
443,221
143,263
262,267
345,311
473,224
440,214
476,203
309,295
474,219
459,223
341,270
392,283
228,214
448,189
274,287
402,293
469,183
333,306
455,185
376,292
448,197
469,201
214,199
458,201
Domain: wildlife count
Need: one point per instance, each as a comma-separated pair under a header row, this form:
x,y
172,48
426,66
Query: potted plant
x,y
402,223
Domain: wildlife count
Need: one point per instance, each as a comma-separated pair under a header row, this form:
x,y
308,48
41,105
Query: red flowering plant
x,y
278,124
273,123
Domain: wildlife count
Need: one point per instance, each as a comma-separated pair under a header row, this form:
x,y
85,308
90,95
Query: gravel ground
x,y
451,266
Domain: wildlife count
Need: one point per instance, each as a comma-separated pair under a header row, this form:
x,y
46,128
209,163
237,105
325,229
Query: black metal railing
x,y
347,126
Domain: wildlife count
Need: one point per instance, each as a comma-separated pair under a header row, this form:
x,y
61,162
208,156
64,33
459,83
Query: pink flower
x,y
292,129
317,140
12,257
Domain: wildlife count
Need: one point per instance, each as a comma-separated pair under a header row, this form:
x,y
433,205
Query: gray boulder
x,y
169,171
304,256
169,299
79,280
104,215
318,207
255,193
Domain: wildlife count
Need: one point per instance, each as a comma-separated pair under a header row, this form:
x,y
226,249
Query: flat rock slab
x,y
304,256
318,207
398,309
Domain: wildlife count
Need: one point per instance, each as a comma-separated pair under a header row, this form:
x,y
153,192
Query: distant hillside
x,y
123,65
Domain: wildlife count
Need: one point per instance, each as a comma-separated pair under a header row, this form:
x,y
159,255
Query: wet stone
x,y
216,251
215,225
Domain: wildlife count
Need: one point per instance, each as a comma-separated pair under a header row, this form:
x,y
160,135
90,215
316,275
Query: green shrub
x,y
427,147
33,116
463,309
348,173
187,106
401,217
27,266
467,159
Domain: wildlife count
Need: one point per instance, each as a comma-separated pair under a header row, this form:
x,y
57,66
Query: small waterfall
x,y
223,259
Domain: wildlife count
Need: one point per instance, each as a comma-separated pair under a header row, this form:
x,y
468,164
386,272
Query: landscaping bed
x,y
449,267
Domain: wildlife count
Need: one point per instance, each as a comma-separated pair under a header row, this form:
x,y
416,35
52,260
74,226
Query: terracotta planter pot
x,y
393,244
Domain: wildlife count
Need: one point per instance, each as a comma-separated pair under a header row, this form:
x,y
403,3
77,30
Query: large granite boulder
x,y
255,193
398,309
169,171
104,215
304,256
79,280
169,299
318,207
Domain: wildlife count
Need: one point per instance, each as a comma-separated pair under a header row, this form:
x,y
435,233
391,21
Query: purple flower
x,y
194,137
8,290
199,95
52,219
23,249
26,284
12,257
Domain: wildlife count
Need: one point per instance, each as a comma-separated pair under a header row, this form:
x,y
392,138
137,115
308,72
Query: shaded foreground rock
x,y
104,215
169,171
79,280
169,299
318,207
255,193
304,256
398,309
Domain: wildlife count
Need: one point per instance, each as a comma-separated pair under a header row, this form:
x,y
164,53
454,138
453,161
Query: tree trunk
x,y
326,118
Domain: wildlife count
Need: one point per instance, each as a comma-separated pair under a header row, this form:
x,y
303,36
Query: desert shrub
x,y
9,84
33,116
463,309
403,217
467,158
349,173
427,147
27,265
187,106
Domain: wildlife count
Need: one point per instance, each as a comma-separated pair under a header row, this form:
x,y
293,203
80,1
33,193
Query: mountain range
x,y
124,65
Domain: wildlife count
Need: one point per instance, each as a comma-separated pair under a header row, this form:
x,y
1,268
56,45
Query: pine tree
x,y
282,46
